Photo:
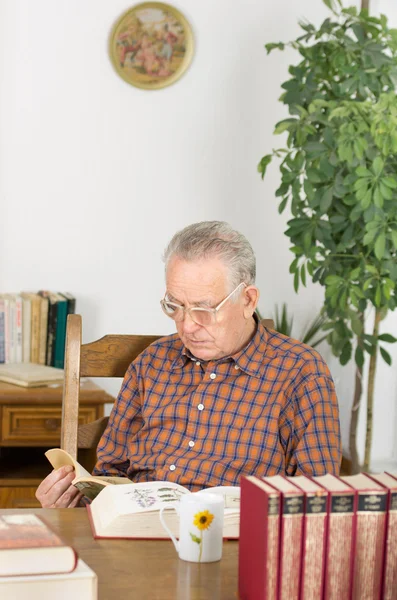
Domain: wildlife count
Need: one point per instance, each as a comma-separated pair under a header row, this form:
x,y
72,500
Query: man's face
x,y
204,283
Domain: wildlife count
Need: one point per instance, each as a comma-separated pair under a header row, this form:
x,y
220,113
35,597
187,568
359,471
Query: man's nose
x,y
188,324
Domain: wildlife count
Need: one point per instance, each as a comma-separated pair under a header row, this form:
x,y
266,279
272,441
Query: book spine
x,y
313,551
390,569
339,554
35,330
2,332
12,330
370,545
18,329
43,330
26,325
60,337
51,332
290,546
258,543
7,330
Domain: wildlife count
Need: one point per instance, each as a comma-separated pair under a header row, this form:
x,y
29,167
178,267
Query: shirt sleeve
x,y
314,445
125,421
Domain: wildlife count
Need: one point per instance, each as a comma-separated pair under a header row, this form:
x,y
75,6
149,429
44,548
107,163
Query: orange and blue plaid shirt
x,y
271,408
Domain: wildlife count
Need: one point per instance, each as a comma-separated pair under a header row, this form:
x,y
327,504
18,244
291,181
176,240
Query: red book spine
x,y
290,546
390,572
370,545
314,545
339,552
259,542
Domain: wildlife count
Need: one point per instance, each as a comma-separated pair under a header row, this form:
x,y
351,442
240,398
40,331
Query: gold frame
x,y
160,82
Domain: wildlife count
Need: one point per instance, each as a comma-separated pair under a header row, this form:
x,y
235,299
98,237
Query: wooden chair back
x,y
110,356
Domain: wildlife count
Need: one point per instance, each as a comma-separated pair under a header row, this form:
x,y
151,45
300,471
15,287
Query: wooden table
x,y
30,423
142,569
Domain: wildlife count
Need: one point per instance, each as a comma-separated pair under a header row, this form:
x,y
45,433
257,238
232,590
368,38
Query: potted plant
x,y
339,178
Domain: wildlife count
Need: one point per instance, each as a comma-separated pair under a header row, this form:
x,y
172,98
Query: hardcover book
x,y
390,564
370,536
290,536
82,584
259,540
132,511
28,546
2,331
339,552
314,537
60,335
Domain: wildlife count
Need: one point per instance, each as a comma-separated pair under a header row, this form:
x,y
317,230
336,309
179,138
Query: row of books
x,y
318,538
33,327
36,563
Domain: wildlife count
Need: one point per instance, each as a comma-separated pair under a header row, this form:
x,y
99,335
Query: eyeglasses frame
x,y
213,311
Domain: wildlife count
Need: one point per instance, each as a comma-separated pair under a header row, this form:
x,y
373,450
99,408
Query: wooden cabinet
x,y
30,423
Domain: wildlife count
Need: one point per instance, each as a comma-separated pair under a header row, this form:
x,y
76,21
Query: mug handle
x,y
162,519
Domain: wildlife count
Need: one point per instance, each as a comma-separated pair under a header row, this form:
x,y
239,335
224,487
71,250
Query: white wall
x,y
96,175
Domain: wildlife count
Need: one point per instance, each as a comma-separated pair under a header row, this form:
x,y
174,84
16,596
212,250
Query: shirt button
x,y
236,367
213,375
201,407
172,468
198,363
191,443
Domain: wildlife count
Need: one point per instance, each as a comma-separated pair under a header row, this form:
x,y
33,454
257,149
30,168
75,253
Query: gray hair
x,y
210,239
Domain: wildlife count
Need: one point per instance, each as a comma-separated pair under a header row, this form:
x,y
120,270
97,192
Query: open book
x,y
89,485
132,511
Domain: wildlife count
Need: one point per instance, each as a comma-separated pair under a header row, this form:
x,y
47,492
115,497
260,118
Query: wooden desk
x,y
141,569
30,423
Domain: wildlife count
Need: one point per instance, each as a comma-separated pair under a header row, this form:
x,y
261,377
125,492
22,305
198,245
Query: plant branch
x,y
370,394
355,411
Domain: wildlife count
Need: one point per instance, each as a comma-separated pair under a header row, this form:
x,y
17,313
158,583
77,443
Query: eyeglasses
x,y
201,316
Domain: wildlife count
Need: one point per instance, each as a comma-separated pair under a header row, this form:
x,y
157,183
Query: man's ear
x,y
251,298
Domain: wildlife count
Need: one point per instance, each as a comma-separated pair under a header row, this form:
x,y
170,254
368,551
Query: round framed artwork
x,y
151,45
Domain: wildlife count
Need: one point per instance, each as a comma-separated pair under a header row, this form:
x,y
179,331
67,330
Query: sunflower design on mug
x,y
202,520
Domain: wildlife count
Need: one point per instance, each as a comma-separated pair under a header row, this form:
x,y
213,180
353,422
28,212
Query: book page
x,y
91,486
230,493
59,458
139,497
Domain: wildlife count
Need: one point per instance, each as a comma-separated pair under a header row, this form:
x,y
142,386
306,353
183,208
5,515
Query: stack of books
x,y
36,563
33,327
318,538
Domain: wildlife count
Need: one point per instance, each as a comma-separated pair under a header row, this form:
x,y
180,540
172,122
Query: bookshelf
x,y
30,423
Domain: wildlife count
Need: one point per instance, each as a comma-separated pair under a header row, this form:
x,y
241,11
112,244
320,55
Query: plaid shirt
x,y
271,408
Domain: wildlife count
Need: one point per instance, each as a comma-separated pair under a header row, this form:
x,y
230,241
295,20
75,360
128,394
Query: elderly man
x,y
222,397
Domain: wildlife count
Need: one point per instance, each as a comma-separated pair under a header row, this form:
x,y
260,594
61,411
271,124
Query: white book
x,y
18,328
81,584
26,324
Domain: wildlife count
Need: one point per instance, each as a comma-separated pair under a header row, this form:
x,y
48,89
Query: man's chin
x,y
202,350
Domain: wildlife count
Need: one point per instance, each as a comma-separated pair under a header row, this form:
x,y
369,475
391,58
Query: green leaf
x,y
283,204
378,296
380,245
387,337
195,538
377,165
391,182
296,281
356,324
303,275
386,356
326,200
270,47
284,125
359,357
263,164
394,238
346,354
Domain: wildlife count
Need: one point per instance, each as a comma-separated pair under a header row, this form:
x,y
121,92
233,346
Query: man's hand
x,y
57,491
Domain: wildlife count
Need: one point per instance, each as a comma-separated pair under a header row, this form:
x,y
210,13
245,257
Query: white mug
x,y
200,527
